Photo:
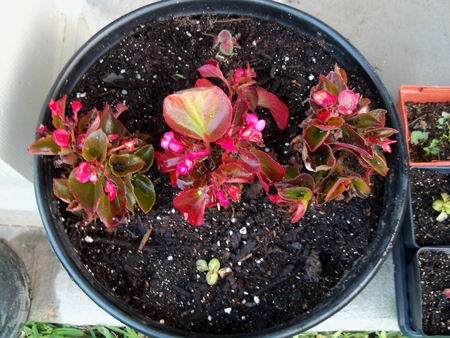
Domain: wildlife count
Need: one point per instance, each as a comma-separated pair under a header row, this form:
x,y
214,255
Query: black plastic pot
x,y
408,223
349,58
14,293
415,291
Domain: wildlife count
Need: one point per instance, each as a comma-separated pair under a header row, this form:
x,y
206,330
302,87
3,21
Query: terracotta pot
x,y
420,94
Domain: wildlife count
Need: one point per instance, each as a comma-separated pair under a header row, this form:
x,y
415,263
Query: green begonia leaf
x,y
112,212
95,146
123,165
147,154
87,194
144,192
61,190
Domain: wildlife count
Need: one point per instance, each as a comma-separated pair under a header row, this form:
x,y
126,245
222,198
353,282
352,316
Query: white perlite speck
x,y
227,310
311,77
243,231
162,321
209,317
170,258
256,300
88,239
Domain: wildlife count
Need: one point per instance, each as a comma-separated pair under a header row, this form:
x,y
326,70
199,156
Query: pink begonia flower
x,y
84,173
43,131
61,138
276,199
130,144
80,141
168,141
55,107
252,131
234,192
195,155
446,293
112,137
237,75
76,106
227,143
110,189
223,200
188,162
385,145
348,99
324,98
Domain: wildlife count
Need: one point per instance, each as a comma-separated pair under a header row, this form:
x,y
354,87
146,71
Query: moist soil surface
x,y
434,266
279,270
426,187
424,117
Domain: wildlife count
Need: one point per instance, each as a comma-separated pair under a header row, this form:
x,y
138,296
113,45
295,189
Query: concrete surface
x,y
407,42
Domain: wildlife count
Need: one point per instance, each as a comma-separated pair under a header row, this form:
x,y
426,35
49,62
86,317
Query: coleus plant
x,y
341,147
214,146
106,162
226,42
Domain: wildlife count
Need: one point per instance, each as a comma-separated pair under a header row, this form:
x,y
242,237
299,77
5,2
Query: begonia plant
x,y
341,147
214,147
106,162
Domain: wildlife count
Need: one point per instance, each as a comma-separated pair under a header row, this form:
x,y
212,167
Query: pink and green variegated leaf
x,y
131,198
169,160
234,173
332,123
147,154
361,188
226,48
295,193
203,83
314,137
378,162
278,109
86,194
325,84
351,140
61,190
111,126
201,113
112,212
337,80
87,120
363,121
57,122
244,158
291,173
270,171
191,204
45,146
123,165
341,72
320,159
380,115
144,191
211,69
225,36
251,94
380,133
362,103
94,147
300,209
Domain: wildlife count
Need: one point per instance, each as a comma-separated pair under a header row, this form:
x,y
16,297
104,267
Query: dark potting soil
x,y
434,266
424,117
426,187
279,270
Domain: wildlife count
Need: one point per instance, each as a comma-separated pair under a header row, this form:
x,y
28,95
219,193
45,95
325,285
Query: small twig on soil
x,y
145,238
105,93
296,83
211,35
245,258
295,66
417,119
232,20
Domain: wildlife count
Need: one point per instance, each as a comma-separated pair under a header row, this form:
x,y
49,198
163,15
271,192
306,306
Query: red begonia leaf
x,y
57,122
120,108
234,173
325,84
251,94
380,115
244,158
201,113
351,140
203,83
191,204
331,124
168,160
336,79
341,72
270,171
87,120
300,209
377,162
380,133
320,159
112,212
362,103
144,191
211,69
240,109
278,109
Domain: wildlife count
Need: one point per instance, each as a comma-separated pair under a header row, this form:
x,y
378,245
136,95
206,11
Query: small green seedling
x,y
213,268
443,206
418,136
226,42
